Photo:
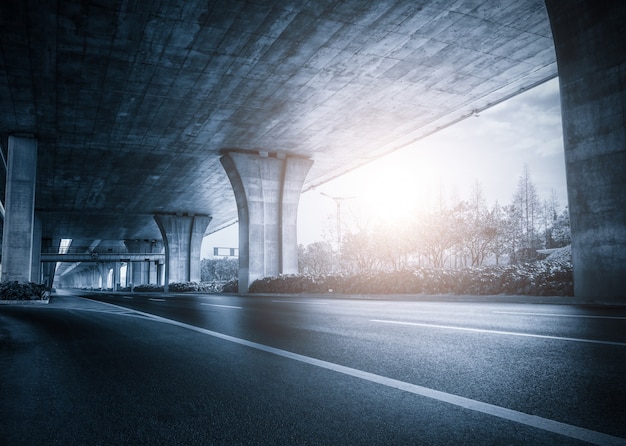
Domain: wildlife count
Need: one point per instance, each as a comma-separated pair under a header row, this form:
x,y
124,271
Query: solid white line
x,y
556,427
300,302
561,315
509,333
223,306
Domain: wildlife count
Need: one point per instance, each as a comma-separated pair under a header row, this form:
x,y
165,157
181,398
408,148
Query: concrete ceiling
x,y
132,102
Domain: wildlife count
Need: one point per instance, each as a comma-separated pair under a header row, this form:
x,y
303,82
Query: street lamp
x,y
338,201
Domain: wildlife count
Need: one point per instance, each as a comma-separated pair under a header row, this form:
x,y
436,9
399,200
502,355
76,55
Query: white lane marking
x,y
546,424
509,333
156,299
223,306
561,315
300,302
127,297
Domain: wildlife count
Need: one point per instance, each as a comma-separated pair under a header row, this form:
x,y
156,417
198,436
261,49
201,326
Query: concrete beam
x,y
267,190
591,58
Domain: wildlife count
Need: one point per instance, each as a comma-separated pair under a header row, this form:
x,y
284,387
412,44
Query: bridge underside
x,y
134,106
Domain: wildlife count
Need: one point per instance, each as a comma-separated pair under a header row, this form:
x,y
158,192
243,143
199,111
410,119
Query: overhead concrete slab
x,y
133,102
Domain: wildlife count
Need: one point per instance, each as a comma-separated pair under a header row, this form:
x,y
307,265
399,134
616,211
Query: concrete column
x,y
116,275
103,268
267,190
182,238
160,274
36,270
48,268
591,57
138,274
17,239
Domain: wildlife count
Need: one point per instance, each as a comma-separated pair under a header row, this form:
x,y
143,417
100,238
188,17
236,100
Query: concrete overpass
x,y
144,120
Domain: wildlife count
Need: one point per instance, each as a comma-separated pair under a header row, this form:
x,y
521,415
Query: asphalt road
x,y
218,369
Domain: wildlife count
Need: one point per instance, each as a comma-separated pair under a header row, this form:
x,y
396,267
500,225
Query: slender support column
x,y
591,58
35,273
182,238
267,190
104,275
47,268
116,275
17,239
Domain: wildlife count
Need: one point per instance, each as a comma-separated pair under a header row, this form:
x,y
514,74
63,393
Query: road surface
x,y
121,368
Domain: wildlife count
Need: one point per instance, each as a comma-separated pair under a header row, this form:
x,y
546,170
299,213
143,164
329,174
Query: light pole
x,y
338,201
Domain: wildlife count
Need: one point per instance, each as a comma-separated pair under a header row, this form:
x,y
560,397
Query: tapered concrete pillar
x,y
267,190
17,239
591,58
182,238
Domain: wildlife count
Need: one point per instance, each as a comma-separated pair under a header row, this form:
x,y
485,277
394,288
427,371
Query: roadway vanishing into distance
x,y
221,369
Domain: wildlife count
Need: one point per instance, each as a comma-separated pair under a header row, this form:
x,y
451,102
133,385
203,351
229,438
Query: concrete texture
x,y
182,237
133,101
591,53
267,189
19,222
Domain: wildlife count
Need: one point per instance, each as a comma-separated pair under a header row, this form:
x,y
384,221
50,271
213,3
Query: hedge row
x,y
13,290
180,287
544,278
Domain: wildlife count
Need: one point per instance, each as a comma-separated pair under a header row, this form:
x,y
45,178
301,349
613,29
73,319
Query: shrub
x,y
148,287
542,278
232,286
13,290
187,287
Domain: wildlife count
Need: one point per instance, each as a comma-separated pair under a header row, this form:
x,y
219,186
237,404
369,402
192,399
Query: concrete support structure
x,y
17,239
182,237
143,272
267,190
591,57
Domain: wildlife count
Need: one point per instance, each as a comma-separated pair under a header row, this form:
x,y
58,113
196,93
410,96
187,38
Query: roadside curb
x,y
25,302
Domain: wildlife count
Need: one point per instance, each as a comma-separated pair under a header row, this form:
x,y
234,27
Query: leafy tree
x,y
221,269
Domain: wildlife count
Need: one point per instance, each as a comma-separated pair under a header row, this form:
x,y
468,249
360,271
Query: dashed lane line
x,y
545,424
587,316
509,333
156,299
304,302
222,306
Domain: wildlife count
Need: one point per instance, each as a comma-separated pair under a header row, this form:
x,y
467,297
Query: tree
x,y
477,227
316,258
437,235
359,251
221,269
526,214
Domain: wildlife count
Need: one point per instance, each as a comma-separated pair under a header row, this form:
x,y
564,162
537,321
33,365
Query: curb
x,y
25,302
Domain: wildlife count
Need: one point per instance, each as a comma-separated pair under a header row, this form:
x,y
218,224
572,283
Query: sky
x,y
491,148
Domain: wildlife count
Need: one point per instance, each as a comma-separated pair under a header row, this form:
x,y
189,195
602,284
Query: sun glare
x,y
392,190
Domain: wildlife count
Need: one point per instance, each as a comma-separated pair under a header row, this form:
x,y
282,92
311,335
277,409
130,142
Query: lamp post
x,y
338,201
